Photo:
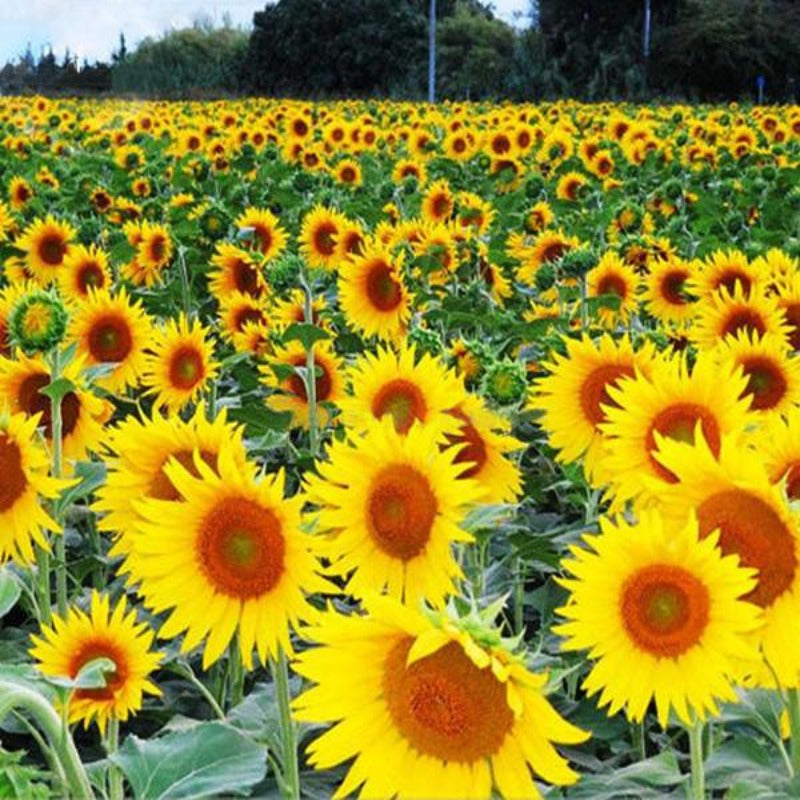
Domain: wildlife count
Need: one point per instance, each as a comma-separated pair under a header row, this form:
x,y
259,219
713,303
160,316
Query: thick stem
x,y
793,702
58,469
235,674
14,696
311,373
291,771
115,787
696,754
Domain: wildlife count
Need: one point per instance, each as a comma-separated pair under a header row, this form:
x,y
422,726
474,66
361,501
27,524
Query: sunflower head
x,y
38,322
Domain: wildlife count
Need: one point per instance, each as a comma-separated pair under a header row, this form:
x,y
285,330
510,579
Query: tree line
x,y
589,49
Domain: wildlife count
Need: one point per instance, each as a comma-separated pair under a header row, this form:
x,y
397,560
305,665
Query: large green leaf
x,y
211,759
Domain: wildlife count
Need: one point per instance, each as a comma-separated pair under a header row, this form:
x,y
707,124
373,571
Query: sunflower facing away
x,y
179,364
428,709
662,614
227,557
732,493
112,329
392,506
402,386
24,483
72,642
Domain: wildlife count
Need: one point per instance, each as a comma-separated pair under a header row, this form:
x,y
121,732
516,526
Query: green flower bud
x,y
505,382
37,322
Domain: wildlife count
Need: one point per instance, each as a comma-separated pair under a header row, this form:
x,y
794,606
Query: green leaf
x,y
306,333
211,759
10,591
93,675
58,389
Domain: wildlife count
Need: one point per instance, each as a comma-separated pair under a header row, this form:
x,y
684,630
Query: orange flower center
x,y
743,319
730,277
401,510
247,314
792,312
444,706
403,400
594,390
679,422
158,247
664,609
90,276
263,237
553,252
32,401
440,206
115,680
110,339
793,481
241,548
672,287
325,238
186,368
245,278
753,529
766,383
383,291
612,284
13,480
52,249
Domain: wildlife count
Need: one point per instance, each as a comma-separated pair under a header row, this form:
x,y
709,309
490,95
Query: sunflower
x,y
773,376
179,364
111,329
24,467
291,392
663,614
319,234
731,492
539,217
226,557
45,243
788,301
351,239
373,295
482,444
348,172
438,202
574,399
724,314
238,310
19,193
9,296
153,251
7,222
409,168
497,284
547,248
666,293
83,414
613,278
293,310
672,403
65,648
727,270
137,454
474,213
237,271
84,268
428,707
403,386
570,186
263,230
778,445
392,505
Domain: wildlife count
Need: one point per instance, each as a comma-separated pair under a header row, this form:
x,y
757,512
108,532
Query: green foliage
x,y
21,781
183,61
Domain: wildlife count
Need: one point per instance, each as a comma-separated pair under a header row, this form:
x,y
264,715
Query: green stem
x,y
793,701
639,740
58,469
696,754
43,585
235,674
115,787
186,672
311,372
186,289
519,597
291,772
13,696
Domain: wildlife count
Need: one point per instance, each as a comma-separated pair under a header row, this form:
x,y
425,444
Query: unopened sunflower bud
x,y
37,322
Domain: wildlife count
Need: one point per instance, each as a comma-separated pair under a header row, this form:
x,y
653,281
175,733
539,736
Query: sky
x,y
91,28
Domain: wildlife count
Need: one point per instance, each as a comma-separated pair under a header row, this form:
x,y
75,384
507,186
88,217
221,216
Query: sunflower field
x,y
383,449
